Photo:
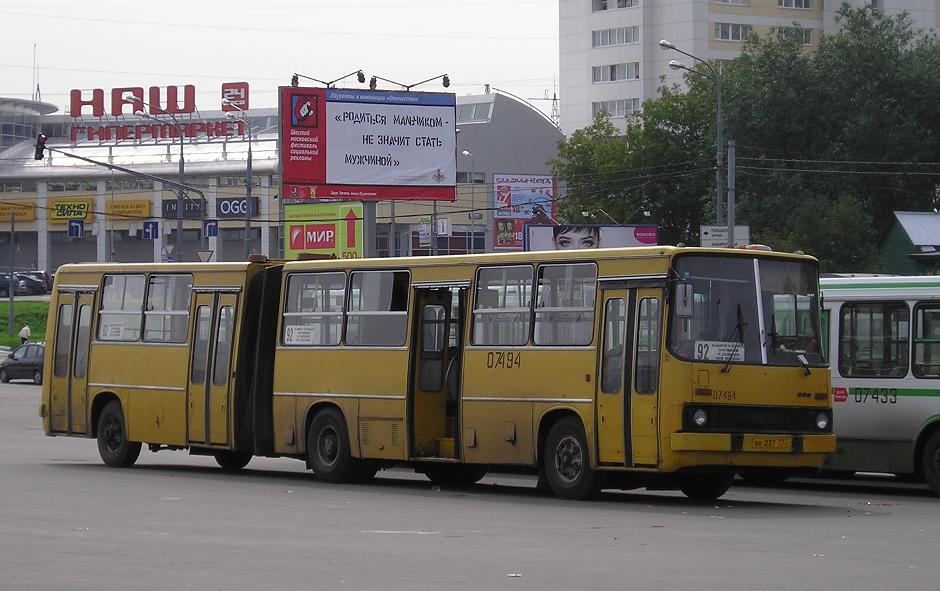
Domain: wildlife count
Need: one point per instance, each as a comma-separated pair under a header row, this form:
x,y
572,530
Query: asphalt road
x,y
175,522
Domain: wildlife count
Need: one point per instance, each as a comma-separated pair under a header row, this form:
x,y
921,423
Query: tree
x,y
660,166
830,142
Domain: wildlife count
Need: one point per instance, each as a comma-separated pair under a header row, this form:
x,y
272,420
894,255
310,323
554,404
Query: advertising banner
x,y
228,208
24,213
520,199
192,210
128,209
71,208
331,229
568,236
367,144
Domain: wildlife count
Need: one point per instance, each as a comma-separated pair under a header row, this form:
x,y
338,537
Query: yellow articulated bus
x,y
661,367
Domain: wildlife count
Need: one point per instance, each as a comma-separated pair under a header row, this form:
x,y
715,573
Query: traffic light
x,y
40,146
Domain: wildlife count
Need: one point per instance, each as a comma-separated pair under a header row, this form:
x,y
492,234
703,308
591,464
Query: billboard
x,y
60,211
367,144
22,211
129,209
520,199
330,229
565,236
108,104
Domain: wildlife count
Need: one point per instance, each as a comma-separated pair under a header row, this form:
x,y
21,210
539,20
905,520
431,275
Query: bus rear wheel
x,y
328,448
931,463
705,487
567,462
113,447
231,461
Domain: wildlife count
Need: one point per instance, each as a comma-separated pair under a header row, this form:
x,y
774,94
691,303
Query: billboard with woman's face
x,y
569,236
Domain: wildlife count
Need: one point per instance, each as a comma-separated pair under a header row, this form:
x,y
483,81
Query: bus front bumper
x,y
761,443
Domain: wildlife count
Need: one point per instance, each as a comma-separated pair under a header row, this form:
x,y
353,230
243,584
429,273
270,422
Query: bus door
x,y
210,372
628,389
436,358
69,376
644,389
613,440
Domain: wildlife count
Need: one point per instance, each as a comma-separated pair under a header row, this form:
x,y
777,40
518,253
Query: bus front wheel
x,y
115,450
931,463
567,461
328,448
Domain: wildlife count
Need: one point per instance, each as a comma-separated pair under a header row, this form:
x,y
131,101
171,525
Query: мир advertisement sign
x,y
367,144
330,229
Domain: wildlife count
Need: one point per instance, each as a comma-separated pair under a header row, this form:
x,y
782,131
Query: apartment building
x,y
610,58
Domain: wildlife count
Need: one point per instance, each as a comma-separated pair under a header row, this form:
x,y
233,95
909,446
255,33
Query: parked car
x,y
19,288
33,285
23,363
45,277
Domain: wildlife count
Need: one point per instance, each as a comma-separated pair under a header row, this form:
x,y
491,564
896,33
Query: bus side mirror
x,y
684,297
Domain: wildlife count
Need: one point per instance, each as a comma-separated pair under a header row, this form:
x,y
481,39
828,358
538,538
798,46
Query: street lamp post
x,y
179,192
715,76
249,181
473,194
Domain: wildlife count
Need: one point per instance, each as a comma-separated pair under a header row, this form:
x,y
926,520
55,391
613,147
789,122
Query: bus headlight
x,y
699,418
822,421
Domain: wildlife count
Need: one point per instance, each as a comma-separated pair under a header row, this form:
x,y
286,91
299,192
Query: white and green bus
x,y
883,336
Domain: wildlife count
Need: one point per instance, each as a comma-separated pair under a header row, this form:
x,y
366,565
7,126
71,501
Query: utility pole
x,y
11,286
731,174
248,203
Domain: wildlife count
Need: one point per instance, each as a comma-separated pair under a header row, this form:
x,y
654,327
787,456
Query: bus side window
x,y
377,312
874,339
926,362
201,345
647,347
166,316
564,312
223,345
612,376
82,341
501,314
63,338
122,305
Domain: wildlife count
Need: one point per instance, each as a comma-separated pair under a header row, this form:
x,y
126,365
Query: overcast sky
x,y
512,45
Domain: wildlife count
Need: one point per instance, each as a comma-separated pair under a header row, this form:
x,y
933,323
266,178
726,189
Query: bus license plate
x,y
764,443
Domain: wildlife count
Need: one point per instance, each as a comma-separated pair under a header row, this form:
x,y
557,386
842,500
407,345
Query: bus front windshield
x,y
748,310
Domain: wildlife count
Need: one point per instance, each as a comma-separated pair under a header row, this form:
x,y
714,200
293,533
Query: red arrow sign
x,y
351,219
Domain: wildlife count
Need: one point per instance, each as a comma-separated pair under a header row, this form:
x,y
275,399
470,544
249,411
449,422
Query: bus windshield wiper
x,y
739,331
774,340
799,358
